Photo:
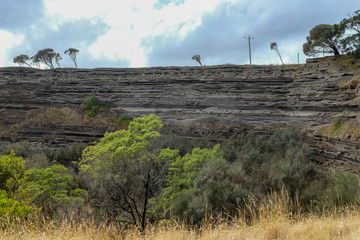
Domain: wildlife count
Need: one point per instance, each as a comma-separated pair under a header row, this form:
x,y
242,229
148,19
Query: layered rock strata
x,y
189,100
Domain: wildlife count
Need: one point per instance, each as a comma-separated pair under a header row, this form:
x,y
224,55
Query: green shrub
x,y
69,156
22,149
11,208
55,189
93,106
11,172
123,121
254,167
14,199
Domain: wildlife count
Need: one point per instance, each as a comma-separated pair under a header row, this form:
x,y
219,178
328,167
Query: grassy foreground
x,y
333,227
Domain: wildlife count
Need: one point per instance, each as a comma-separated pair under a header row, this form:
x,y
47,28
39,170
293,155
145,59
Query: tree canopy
x,y
46,56
125,171
351,41
323,38
197,58
72,52
22,59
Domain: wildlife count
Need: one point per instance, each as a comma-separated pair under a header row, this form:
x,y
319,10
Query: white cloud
x,y
8,40
132,23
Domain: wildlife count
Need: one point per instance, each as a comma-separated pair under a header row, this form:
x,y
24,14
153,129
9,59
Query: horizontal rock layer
x,y
189,100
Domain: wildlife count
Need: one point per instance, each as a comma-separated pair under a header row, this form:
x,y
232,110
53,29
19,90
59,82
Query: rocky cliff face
x,y
189,100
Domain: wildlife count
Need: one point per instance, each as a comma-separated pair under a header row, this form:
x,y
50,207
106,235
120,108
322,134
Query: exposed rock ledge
x,y
189,100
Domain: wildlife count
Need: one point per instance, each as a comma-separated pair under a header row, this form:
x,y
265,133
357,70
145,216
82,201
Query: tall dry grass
x,y
313,227
271,219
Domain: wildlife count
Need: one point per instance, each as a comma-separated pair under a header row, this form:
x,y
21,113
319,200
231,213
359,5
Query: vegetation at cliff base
x,y
136,178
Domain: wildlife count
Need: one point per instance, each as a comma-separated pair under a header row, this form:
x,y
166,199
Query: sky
x,y
150,33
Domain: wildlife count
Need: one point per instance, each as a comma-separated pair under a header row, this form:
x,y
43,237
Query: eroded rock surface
x,y
189,100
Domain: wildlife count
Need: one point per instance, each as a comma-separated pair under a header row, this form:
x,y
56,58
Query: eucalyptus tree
x,y
197,58
323,38
46,56
72,52
22,59
273,46
351,25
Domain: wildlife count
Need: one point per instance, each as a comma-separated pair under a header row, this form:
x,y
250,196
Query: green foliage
x,y
182,172
54,189
351,43
336,126
11,172
323,38
11,208
123,121
124,173
69,156
22,149
124,143
14,199
93,106
255,167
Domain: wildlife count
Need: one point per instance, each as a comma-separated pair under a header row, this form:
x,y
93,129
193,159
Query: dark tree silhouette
x,y
72,52
22,59
323,38
46,56
197,58
273,46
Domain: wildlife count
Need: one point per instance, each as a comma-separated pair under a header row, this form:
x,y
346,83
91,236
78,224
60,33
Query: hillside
x,y
45,106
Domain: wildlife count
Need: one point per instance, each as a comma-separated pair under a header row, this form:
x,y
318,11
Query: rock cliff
x,y
45,106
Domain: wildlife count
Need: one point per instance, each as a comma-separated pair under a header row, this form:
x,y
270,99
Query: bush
x,y
55,189
69,156
93,106
254,167
11,208
123,121
22,149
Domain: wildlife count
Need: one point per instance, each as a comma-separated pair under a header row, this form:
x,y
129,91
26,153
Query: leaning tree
x,y
273,46
323,38
72,52
46,56
197,58
22,59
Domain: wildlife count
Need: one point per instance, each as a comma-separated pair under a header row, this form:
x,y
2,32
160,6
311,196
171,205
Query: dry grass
x,y
344,127
272,220
353,83
350,63
52,117
332,227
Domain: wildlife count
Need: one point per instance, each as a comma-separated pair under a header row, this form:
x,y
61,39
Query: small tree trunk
x,y
279,56
147,185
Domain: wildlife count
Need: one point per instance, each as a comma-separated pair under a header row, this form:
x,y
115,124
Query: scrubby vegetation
x,y
134,179
93,106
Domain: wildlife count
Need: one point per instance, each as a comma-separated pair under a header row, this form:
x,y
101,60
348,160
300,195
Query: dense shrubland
x,y
136,176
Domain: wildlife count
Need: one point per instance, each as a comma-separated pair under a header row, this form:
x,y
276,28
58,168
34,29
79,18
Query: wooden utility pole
x,y
298,59
249,38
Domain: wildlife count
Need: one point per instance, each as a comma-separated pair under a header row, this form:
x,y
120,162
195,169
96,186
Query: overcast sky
x,y
138,33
